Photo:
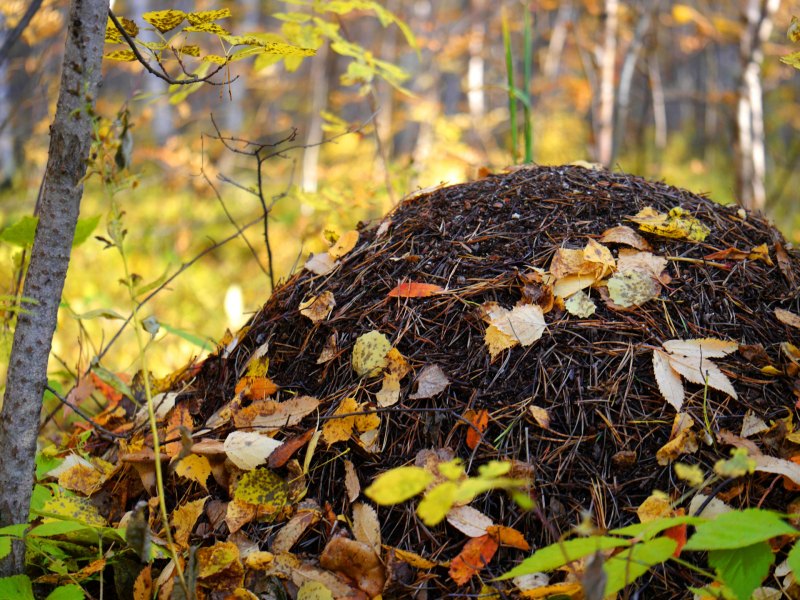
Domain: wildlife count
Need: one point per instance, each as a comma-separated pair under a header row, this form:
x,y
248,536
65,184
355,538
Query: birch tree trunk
x,y
608,59
750,148
70,141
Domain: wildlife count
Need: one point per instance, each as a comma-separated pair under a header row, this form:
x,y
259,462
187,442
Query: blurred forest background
x,y
693,93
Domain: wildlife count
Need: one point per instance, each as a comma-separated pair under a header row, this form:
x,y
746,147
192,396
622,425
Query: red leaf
x,y
677,533
281,455
475,555
415,290
480,420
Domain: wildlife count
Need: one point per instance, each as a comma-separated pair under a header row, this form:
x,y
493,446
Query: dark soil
x,y
594,375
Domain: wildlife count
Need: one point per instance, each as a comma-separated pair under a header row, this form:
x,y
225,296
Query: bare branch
x,y
13,35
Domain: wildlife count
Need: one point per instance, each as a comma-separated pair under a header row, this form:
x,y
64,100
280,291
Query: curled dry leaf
x,y
321,263
625,235
475,555
346,242
469,521
183,519
287,449
540,415
480,421
524,324
329,350
294,529
682,440
785,263
194,467
432,380
366,528
275,415
351,483
248,449
318,308
787,318
668,379
356,560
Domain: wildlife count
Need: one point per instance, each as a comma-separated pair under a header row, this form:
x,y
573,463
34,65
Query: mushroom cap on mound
x,y
494,241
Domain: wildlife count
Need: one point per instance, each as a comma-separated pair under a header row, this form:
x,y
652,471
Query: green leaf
x,y
17,586
5,546
738,529
202,343
113,380
14,530
98,313
398,485
625,567
652,528
71,591
54,528
793,559
41,494
84,229
559,554
21,233
743,569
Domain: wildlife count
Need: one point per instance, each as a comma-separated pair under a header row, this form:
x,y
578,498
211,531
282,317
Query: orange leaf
x,y
414,289
480,420
508,536
255,388
281,455
475,555
179,417
677,533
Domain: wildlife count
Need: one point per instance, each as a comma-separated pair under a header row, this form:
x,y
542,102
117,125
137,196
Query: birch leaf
x,y
318,308
431,381
704,347
248,449
669,382
580,305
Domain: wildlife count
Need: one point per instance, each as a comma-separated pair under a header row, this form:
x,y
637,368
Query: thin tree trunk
x,y
750,147
608,59
476,93
70,141
558,38
7,163
649,9
659,104
320,70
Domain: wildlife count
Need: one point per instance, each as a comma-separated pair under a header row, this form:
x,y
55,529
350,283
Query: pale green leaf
x,y
71,591
743,569
737,529
22,232
653,528
625,567
84,229
18,587
559,554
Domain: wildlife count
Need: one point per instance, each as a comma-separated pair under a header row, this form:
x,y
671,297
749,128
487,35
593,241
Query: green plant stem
x,y
151,414
512,98
527,77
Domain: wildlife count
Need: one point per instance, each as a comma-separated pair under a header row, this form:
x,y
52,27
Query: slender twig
x,y
102,431
163,73
226,211
13,35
